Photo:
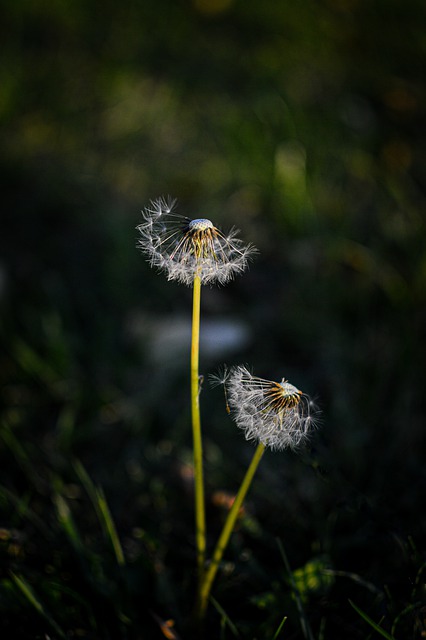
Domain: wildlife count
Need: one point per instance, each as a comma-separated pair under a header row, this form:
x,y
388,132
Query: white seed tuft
x,y
277,414
185,248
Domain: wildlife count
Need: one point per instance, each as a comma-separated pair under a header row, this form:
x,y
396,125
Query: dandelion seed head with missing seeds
x,y
185,248
277,414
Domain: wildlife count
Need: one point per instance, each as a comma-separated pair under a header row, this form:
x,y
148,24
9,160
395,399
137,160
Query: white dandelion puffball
x,y
277,414
185,248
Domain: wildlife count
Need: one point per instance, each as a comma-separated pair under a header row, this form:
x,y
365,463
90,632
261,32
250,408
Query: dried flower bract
x,y
275,413
185,248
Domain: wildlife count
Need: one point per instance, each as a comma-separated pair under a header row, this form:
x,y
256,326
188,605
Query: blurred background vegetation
x,y
302,124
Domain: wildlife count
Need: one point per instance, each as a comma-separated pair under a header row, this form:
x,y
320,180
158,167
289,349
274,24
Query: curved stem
x,y
200,523
228,527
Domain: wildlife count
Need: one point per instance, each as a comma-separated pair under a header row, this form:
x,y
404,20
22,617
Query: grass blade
x,y
371,622
109,527
67,522
103,513
278,631
89,485
29,594
225,618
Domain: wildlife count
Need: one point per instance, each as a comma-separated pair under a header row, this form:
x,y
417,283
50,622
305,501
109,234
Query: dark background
x,y
302,124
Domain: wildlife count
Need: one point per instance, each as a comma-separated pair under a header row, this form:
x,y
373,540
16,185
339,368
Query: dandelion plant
x,y
193,252
274,414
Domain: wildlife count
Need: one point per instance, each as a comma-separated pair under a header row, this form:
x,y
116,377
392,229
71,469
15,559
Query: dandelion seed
x,y
185,248
221,378
277,414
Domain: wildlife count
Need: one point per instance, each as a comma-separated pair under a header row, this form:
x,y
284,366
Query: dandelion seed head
x,y
277,414
185,248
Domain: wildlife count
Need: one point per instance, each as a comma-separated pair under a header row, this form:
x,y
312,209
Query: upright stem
x,y
228,527
200,520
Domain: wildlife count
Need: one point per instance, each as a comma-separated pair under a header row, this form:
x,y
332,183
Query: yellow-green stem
x,y
228,527
200,520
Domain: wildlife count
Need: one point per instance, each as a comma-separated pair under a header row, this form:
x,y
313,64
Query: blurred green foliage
x,y
303,125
